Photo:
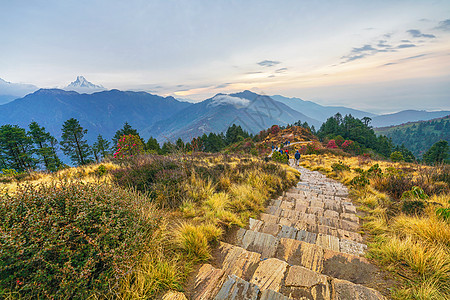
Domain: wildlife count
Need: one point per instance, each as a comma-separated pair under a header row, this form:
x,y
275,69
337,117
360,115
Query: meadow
x,y
126,229
405,215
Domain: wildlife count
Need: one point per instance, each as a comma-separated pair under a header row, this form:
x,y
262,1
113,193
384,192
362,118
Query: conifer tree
x,y
126,130
73,144
16,148
152,145
100,148
45,145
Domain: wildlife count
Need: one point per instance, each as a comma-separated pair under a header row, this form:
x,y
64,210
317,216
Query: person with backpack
x,y
297,157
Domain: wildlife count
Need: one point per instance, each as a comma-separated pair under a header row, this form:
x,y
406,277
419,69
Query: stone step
x,y
315,215
317,257
275,279
282,227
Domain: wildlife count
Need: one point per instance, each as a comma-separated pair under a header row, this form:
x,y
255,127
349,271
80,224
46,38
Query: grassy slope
x,y
416,248
215,192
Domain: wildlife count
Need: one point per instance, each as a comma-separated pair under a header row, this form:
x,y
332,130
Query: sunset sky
x,y
381,56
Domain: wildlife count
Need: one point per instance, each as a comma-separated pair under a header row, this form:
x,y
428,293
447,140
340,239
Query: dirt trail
x,y
305,246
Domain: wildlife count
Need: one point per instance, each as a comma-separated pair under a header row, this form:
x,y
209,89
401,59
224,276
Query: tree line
x,y
35,148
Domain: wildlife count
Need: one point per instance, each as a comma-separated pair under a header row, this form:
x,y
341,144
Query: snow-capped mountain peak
x,y
81,82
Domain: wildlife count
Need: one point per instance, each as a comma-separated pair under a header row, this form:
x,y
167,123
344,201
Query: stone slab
x,y
287,232
272,295
236,288
346,290
328,242
270,274
306,236
207,282
263,243
239,261
267,218
348,267
352,247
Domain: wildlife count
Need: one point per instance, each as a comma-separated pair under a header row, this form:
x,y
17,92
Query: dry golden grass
x,y
417,248
85,174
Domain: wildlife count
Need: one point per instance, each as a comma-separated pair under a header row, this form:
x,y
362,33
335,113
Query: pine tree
x,y
126,130
16,148
437,153
73,144
45,147
152,145
100,148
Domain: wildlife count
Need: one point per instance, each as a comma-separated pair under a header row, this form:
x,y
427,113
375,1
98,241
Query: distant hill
x,y
101,113
252,111
418,136
320,112
406,116
10,91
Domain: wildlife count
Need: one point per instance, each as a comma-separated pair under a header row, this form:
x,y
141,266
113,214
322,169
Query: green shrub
x,y
101,170
340,166
70,240
396,156
279,157
359,181
443,213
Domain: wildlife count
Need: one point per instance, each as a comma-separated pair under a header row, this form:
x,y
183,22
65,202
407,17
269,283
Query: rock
x,y
236,288
300,253
349,267
269,274
352,247
345,290
240,262
287,232
328,242
262,243
207,282
272,295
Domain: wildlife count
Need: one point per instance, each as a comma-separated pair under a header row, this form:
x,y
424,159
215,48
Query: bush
x,y
280,158
70,240
396,156
340,166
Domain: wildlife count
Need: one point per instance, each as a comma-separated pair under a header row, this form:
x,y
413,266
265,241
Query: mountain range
x,y
166,118
251,111
100,113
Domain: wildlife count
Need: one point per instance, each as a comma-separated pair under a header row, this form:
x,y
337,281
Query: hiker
x,y
297,157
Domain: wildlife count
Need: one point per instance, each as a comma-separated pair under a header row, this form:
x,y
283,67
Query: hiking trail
x,y
306,245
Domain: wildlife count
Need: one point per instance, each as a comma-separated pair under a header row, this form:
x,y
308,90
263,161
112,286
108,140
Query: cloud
x,y
413,57
282,70
383,44
221,86
405,46
228,100
444,25
417,34
389,64
363,48
405,41
268,63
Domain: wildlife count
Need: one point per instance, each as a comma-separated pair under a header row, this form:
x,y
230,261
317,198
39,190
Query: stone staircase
x,y
305,246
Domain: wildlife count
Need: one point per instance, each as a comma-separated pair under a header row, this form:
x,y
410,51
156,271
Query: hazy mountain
x,y
406,116
320,112
10,91
102,112
81,85
252,111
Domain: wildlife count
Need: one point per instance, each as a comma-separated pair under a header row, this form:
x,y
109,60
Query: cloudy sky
x,y
381,56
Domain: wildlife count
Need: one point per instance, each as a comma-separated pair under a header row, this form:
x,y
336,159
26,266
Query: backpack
x,y
297,155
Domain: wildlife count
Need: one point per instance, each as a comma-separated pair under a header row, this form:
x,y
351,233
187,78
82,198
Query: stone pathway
x,y
305,246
